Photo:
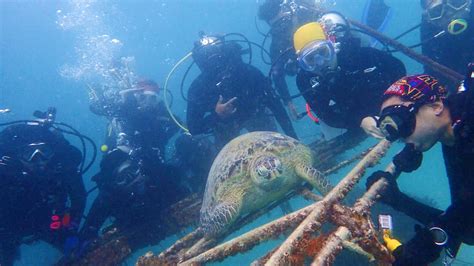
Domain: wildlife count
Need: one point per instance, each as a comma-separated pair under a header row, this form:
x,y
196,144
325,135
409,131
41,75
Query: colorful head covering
x,y
420,89
308,33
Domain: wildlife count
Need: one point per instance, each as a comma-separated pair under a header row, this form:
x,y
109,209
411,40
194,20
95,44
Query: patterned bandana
x,y
420,89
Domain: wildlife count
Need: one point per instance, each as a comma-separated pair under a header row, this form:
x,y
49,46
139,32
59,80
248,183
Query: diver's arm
x,y
276,107
197,120
77,195
111,105
282,117
96,107
415,209
429,48
319,101
457,220
388,67
398,200
456,223
169,127
97,215
278,74
279,56
338,119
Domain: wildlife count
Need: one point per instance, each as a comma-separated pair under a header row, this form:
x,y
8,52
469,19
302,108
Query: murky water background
x,y
50,50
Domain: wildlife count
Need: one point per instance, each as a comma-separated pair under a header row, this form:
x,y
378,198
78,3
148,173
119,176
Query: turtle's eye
x,y
267,172
263,171
268,165
277,165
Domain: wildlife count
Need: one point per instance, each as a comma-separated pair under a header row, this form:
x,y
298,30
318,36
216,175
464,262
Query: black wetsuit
x,y
29,200
343,98
254,95
283,59
282,53
458,219
453,51
135,183
147,132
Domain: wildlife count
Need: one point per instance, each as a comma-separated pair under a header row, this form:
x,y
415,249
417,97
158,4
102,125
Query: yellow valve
x,y
390,242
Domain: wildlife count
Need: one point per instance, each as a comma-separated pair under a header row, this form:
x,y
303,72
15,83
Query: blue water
x,y
50,50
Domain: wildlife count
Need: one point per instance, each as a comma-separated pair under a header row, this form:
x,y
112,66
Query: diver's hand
x,y
369,125
391,194
420,250
409,159
10,166
293,112
224,110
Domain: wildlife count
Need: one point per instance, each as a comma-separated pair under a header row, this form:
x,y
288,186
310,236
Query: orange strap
x,y
310,114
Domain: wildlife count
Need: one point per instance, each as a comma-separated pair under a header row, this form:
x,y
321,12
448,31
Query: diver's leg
x,y
98,213
8,252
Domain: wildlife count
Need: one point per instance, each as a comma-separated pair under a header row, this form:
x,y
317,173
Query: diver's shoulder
x,y
250,69
382,58
367,51
199,82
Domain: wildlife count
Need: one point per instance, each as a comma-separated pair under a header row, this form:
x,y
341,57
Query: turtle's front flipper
x,y
314,177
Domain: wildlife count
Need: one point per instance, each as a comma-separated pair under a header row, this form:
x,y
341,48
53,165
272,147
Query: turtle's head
x,y
266,171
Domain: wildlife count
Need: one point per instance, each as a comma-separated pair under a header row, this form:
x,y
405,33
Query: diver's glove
x,y
392,193
409,159
420,250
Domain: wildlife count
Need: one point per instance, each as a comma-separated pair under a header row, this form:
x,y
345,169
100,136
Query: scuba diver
x,y
135,182
284,17
42,193
137,118
416,110
230,95
447,34
340,80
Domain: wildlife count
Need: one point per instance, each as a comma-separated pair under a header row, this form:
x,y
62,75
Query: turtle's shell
x,y
250,172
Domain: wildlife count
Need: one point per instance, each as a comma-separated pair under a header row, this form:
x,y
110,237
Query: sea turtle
x,y
252,171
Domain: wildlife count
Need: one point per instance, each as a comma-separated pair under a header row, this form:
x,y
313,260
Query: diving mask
x,y
449,13
146,100
36,152
397,121
318,56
